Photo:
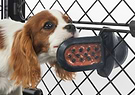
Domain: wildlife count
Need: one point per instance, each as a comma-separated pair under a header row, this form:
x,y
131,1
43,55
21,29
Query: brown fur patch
x,y
1,39
23,60
67,18
63,74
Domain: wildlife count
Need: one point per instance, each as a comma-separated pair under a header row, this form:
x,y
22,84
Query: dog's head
x,y
37,43
49,29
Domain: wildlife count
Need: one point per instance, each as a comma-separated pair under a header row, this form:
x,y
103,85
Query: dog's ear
x,y
23,60
61,73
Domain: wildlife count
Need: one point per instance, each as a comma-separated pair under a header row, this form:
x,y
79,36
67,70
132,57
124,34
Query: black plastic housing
x,y
111,55
82,41
32,92
132,28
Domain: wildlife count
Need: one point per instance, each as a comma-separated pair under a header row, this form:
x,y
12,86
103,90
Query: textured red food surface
x,y
82,49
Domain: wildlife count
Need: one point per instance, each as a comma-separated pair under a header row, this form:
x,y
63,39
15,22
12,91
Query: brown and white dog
x,y
23,47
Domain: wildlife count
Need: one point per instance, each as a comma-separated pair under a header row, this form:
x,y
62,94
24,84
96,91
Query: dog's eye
x,y
48,25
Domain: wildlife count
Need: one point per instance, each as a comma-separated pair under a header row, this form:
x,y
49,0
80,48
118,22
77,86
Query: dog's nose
x,y
71,28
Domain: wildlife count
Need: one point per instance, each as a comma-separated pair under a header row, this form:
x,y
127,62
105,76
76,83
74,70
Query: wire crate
x,y
90,16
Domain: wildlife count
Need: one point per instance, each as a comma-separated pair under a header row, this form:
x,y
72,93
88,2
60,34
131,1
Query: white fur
x,y
9,27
